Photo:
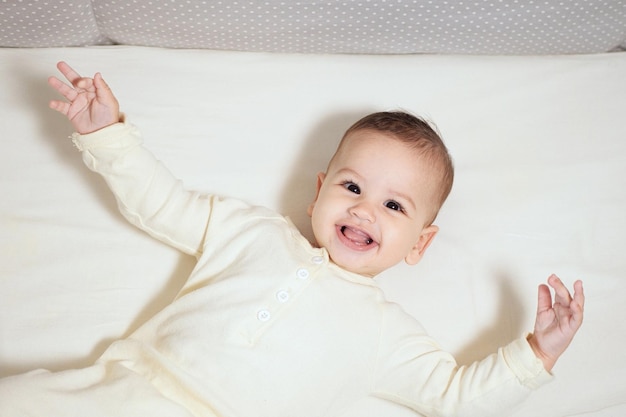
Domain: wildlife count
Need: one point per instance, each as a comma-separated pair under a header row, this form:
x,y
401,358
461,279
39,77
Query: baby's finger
x,y
579,294
103,91
544,299
68,72
561,293
578,305
63,89
60,106
86,84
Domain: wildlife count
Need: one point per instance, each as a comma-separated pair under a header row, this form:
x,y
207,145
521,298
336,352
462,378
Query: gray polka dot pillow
x,y
48,23
339,26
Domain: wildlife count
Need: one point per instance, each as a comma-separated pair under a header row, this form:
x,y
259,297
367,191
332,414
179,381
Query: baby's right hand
x,y
91,104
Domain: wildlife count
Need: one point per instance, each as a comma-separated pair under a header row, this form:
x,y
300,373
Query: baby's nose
x,y
364,211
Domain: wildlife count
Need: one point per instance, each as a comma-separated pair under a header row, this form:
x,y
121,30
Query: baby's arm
x,y
417,373
91,104
557,323
148,195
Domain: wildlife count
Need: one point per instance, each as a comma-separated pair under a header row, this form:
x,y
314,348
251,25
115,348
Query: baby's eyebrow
x,y
349,171
352,174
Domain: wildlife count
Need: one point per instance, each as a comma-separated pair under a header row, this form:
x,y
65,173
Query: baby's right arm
x,y
91,104
148,195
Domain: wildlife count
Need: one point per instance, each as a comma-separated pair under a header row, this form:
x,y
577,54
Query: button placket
x,y
285,295
302,273
317,260
282,296
263,315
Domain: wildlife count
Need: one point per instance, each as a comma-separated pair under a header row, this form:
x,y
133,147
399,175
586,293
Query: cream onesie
x,y
265,326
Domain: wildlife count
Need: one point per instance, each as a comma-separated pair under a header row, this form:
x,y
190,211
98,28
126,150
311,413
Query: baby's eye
x,y
352,187
393,205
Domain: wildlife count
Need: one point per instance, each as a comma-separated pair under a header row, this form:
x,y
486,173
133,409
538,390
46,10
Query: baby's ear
x,y
321,176
417,251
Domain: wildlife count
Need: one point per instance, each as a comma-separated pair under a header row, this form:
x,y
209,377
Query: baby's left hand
x,y
557,323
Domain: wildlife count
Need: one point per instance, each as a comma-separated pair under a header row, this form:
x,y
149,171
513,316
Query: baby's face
x,y
372,204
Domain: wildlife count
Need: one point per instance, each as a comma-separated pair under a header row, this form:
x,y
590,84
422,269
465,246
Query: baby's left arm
x,y
556,324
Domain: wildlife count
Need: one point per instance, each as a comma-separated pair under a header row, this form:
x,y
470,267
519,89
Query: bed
x,y
249,99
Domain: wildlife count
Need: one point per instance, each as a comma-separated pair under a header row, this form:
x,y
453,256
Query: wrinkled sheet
x,y
539,145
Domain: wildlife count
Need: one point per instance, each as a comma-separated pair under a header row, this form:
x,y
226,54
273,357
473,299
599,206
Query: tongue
x,y
357,236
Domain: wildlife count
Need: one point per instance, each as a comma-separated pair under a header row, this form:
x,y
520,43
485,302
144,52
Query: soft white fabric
x,y
539,150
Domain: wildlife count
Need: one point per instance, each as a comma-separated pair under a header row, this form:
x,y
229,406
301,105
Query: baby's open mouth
x,y
356,236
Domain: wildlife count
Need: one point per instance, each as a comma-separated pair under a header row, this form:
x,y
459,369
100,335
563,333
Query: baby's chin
x,y
355,266
353,260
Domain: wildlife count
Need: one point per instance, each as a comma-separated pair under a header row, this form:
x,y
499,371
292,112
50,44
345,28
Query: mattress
x,y
538,144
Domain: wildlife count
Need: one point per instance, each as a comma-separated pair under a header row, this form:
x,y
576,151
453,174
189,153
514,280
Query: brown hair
x,y
419,135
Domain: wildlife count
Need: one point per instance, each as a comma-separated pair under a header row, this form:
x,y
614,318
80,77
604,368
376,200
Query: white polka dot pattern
x,y
48,23
348,26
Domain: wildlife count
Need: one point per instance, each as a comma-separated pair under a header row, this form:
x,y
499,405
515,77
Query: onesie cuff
x,y
117,135
525,364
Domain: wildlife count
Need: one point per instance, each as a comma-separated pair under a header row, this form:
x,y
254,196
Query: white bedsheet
x,y
540,150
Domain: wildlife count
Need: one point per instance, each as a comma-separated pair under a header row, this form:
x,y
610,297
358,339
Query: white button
x,y
302,273
318,260
282,296
264,315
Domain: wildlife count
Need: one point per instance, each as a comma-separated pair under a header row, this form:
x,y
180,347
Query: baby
x,y
269,324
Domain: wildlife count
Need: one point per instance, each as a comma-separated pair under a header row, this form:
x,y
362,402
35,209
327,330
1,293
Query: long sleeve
x,y
147,194
419,375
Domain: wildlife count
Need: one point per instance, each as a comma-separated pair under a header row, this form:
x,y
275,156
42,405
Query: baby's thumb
x,y
101,86
103,91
